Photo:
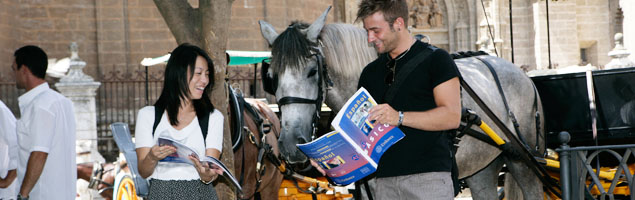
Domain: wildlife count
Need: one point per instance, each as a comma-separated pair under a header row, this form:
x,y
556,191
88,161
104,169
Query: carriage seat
x,y
121,134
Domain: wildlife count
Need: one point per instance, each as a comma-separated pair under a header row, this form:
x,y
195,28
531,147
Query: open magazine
x,y
352,151
182,153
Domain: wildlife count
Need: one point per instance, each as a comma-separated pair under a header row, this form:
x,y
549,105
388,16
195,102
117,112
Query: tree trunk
x,y
207,27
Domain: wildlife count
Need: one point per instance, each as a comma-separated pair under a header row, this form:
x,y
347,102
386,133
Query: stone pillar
x,y
619,55
628,9
81,89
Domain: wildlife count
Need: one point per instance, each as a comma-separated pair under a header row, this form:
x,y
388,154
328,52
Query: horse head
x,y
297,81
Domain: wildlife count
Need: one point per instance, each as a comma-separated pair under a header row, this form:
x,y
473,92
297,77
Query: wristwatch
x,y
20,197
400,118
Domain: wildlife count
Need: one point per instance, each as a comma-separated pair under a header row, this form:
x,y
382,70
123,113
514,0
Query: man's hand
x,y
318,167
6,182
383,114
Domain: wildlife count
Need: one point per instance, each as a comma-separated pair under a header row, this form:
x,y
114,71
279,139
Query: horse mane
x,y
289,47
346,49
344,46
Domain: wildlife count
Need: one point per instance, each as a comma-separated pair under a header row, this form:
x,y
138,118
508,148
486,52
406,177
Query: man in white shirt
x,y
46,132
8,154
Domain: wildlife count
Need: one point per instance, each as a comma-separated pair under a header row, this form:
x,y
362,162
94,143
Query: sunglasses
x,y
390,76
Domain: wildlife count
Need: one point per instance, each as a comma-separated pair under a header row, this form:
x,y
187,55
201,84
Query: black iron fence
x,y
122,94
581,179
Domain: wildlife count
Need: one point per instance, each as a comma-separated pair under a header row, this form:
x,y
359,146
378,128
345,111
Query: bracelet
x,y
400,118
208,182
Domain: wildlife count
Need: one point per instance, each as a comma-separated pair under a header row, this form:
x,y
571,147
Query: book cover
x,y
354,137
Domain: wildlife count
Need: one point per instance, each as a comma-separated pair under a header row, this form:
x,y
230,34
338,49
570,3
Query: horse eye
x,y
312,73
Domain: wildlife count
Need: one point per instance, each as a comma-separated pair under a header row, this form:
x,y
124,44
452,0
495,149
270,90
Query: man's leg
x,y
431,185
386,188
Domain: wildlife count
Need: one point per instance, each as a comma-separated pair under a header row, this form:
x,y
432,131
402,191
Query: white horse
x,y
297,75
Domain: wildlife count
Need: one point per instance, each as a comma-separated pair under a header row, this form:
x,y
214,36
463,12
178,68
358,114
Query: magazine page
x,y
183,152
341,160
217,164
353,120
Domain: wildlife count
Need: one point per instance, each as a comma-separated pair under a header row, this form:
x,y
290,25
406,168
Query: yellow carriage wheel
x,y
126,189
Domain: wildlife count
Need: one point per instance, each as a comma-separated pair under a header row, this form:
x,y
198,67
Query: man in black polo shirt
x,y
424,102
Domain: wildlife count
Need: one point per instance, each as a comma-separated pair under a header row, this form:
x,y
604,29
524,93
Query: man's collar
x,y
31,94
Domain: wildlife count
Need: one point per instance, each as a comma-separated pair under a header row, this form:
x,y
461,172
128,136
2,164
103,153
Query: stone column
x,y
619,55
81,89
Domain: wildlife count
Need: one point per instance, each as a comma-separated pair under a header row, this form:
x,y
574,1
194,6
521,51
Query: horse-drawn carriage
x,y
498,92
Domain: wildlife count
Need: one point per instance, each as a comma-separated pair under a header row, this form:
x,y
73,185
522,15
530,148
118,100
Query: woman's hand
x,y
160,152
206,173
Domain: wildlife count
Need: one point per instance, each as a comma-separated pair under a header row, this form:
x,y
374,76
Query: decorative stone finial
x,y
75,73
619,55
74,50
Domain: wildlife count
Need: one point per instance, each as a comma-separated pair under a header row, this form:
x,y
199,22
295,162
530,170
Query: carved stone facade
x,y
581,31
117,34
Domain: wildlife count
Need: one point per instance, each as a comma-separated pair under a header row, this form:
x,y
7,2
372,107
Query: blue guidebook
x,y
352,151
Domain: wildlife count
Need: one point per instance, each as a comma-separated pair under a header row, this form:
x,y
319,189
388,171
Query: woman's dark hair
x,y
176,84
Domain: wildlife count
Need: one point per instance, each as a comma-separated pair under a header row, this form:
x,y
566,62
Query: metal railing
x,y
123,93
581,180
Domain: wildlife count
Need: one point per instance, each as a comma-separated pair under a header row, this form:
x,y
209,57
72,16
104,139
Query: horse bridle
x,y
323,79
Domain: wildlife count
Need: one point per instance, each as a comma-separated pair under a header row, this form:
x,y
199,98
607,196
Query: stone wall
x,y
628,8
7,36
594,33
117,34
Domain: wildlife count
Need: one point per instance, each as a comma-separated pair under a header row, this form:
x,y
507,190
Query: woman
x,y
184,97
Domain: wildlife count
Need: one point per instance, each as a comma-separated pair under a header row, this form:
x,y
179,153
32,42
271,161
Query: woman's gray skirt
x,y
181,189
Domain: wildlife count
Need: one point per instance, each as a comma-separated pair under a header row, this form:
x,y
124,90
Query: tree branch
x,y
182,20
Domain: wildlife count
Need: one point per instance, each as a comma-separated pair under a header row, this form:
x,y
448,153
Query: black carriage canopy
x,y
566,106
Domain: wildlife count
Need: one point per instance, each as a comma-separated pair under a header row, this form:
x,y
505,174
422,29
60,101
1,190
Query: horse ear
x,y
314,30
268,32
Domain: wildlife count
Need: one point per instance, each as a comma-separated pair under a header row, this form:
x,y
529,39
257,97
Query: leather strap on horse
x,y
526,156
263,148
510,113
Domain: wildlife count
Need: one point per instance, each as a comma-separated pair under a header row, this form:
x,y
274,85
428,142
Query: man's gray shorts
x,y
431,185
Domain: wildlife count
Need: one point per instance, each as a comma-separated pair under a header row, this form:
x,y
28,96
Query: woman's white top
x,y
191,136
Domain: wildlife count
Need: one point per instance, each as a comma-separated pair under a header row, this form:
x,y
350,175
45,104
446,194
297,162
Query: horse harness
x,y
270,85
97,175
517,145
263,126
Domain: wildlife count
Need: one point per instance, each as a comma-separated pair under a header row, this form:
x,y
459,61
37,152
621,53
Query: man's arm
x,y
6,181
34,168
446,116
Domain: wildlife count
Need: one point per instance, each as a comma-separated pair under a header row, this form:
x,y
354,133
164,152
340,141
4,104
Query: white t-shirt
x,y
8,150
48,125
191,136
